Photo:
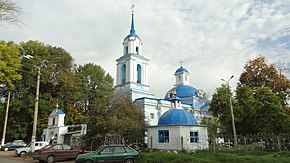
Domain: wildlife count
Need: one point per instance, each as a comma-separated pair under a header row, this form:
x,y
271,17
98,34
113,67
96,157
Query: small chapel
x,y
57,132
182,108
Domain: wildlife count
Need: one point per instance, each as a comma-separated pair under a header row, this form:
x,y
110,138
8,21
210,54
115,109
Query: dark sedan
x,y
111,153
56,152
13,145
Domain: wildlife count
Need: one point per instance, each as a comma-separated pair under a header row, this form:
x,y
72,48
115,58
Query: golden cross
x,y
132,8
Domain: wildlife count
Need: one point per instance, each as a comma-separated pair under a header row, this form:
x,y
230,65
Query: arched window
x,y
139,73
126,50
123,74
137,50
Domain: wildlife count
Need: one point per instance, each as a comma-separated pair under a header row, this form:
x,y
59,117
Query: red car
x,y
56,152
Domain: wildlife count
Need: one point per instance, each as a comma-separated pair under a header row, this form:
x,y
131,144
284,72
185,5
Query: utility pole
x,y
6,118
232,112
35,111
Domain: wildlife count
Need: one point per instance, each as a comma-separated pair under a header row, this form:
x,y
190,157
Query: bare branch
x,y
10,12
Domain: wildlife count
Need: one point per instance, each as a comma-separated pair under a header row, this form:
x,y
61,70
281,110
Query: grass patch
x,y
218,157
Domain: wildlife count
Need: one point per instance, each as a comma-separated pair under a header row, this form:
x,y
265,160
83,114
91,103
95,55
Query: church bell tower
x,y
132,67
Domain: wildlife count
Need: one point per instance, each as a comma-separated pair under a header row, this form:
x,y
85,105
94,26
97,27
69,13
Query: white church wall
x,y
202,137
174,138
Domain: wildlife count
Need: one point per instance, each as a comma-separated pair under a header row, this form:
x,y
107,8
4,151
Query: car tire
x,y
129,161
88,161
22,154
50,159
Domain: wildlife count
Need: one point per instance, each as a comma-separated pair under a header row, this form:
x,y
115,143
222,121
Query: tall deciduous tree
x,y
9,63
260,110
95,84
258,74
220,107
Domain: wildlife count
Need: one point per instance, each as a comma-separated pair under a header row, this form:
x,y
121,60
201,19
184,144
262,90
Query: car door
x,y
119,154
106,155
58,152
69,152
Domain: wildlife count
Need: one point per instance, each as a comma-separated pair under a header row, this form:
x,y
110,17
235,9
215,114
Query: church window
x,y
152,115
163,136
123,74
185,78
179,78
137,50
126,50
53,121
193,137
139,73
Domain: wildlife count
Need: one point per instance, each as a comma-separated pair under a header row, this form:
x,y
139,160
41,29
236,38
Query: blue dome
x,y
182,91
181,69
178,117
58,111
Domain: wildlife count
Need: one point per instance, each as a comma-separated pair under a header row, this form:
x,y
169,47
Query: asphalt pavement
x,y
10,157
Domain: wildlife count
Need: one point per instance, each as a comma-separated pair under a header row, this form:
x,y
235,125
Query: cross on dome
x,y
132,8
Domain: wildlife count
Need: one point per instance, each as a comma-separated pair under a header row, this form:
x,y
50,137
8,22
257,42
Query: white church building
x,y
132,80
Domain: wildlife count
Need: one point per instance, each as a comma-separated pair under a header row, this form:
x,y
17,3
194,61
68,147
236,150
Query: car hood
x,y
23,148
87,155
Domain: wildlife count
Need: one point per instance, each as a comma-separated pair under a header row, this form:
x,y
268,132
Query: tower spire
x,y
132,31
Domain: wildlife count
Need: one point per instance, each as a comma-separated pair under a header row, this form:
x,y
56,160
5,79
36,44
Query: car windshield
x,y
46,147
99,149
8,143
28,145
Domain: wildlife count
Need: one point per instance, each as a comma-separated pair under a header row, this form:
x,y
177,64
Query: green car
x,y
111,153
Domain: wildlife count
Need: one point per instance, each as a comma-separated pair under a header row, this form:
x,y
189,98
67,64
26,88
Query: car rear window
x,y
119,150
128,149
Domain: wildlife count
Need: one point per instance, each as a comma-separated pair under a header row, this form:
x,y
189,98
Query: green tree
x,y
260,111
220,107
95,84
118,117
9,63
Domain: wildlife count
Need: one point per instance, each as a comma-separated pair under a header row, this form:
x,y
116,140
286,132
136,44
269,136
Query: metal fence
x,y
265,142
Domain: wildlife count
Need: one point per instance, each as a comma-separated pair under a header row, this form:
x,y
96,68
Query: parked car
x,y
24,150
56,152
13,145
112,153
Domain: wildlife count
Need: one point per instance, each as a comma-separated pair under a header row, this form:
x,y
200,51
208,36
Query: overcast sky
x,y
214,39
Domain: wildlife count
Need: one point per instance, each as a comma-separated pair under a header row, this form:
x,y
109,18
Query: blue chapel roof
x,y
58,111
177,117
181,69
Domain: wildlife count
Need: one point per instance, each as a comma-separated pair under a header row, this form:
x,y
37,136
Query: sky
x,y
214,39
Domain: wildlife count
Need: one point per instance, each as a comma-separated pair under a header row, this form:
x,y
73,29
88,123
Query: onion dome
x,y
174,117
182,91
181,69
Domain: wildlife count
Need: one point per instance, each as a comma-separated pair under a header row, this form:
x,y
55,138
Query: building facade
x,y
132,81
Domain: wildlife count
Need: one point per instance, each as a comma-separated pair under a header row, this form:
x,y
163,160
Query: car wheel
x,y
22,154
129,161
88,161
50,159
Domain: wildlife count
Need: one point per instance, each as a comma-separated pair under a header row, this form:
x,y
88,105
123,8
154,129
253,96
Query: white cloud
x,y
214,38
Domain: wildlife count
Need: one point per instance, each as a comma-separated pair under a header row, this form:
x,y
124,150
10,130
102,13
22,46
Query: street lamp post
x,y
35,111
232,112
6,118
